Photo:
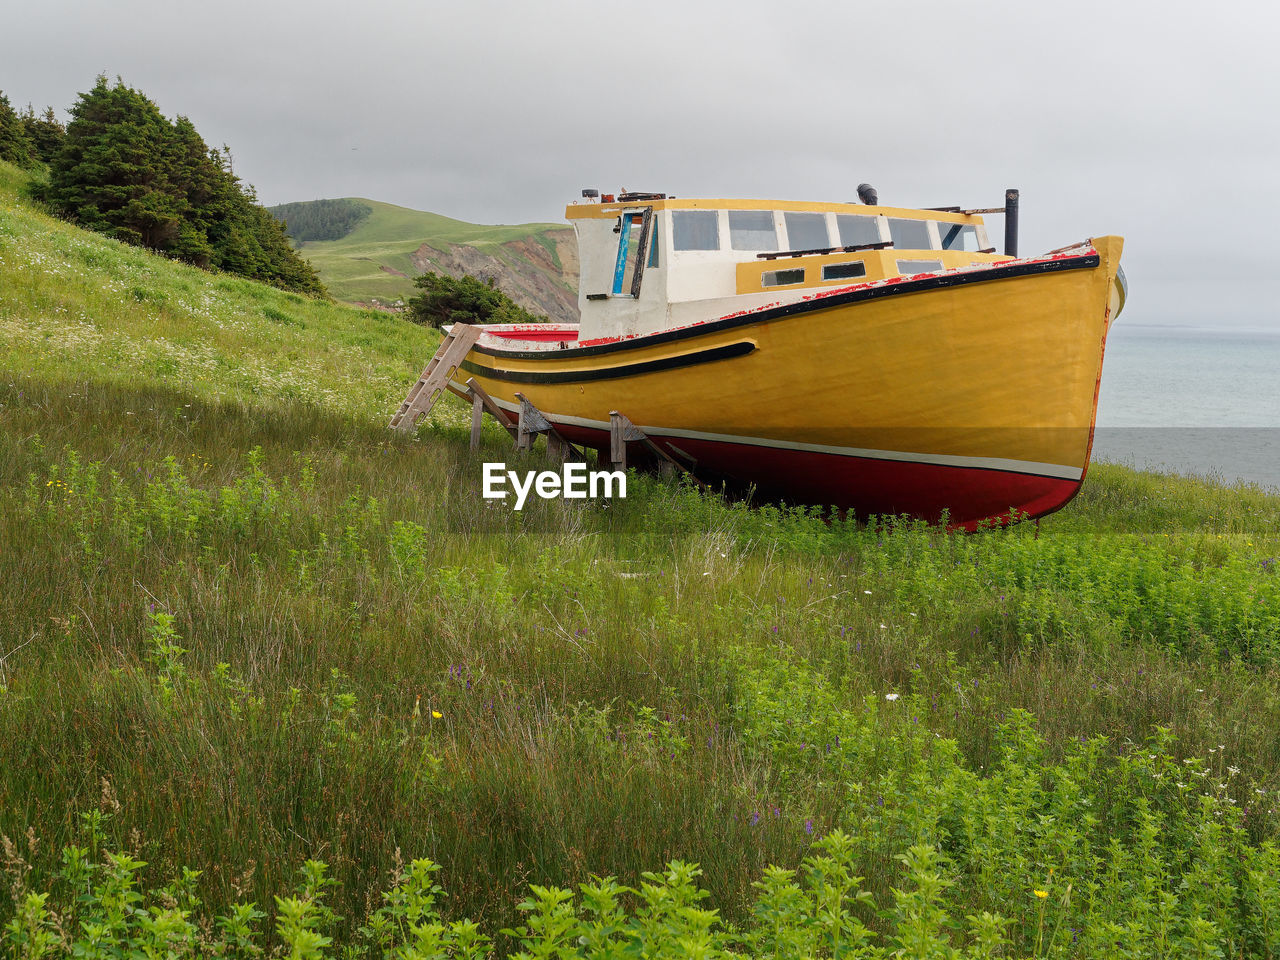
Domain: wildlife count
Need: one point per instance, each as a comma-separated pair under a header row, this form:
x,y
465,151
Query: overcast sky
x,y
1157,121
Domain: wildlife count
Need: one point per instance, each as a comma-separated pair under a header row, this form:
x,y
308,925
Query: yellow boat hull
x,y
972,392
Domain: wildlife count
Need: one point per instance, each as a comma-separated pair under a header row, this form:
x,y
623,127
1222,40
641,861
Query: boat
x,y
866,358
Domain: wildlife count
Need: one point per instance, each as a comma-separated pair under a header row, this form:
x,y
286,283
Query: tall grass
x,y
251,629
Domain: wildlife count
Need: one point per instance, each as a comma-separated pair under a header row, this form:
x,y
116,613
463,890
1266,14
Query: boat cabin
x,y
651,262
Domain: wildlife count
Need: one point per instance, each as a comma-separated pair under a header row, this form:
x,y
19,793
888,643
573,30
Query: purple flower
x,y
808,826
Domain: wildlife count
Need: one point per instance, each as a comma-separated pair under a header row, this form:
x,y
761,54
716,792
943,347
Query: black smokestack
x,y
867,194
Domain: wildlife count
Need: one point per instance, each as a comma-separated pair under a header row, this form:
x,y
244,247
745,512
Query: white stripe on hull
x,y
1057,471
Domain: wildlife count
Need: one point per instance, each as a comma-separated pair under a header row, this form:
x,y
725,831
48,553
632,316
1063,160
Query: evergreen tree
x,y
15,146
45,131
112,172
466,299
126,171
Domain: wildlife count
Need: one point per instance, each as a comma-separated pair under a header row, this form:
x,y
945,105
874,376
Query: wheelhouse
x,y
651,262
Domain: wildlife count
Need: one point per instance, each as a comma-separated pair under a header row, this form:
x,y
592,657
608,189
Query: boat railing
x,y
819,251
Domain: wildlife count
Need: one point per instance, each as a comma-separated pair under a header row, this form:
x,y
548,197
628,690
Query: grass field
x,y
244,630
352,267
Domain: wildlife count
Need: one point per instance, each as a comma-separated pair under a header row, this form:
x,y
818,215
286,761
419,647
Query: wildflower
x,y
808,826
866,591
891,696
1042,894
437,714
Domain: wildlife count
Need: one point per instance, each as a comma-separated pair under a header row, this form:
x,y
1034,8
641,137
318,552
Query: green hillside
x,y
378,259
76,305
260,659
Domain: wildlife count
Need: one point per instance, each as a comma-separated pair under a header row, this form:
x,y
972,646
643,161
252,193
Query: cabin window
x,y
844,271
856,230
807,231
781,278
752,230
653,243
958,236
908,267
910,234
695,229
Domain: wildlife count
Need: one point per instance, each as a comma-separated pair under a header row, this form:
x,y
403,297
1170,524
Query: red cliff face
x,y
526,270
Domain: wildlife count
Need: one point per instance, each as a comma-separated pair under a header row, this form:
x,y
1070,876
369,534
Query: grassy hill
x,y
247,631
535,263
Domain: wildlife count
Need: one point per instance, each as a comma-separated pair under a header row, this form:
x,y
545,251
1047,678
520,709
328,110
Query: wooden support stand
x,y
622,431
529,423
524,430
481,403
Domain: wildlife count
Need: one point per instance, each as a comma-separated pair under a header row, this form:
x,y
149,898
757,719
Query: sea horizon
x,y
1192,400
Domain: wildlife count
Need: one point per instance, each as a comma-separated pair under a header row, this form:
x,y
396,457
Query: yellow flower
x,y
1042,893
437,714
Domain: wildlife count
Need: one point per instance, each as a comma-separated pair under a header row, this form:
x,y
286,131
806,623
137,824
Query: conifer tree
x,y
465,299
125,170
111,173
15,146
45,131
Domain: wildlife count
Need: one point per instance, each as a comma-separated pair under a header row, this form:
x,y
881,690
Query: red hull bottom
x,y
970,496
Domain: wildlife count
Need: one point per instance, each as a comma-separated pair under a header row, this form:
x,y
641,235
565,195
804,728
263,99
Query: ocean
x,y
1192,401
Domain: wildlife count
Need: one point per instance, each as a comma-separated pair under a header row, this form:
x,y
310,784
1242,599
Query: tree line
x,y
121,168
320,219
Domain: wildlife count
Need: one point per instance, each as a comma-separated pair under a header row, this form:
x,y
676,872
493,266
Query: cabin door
x,y
634,229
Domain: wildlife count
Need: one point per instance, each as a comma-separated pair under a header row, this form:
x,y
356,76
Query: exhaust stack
x,y
1011,222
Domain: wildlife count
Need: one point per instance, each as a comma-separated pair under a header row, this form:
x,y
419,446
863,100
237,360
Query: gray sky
x,y
1157,121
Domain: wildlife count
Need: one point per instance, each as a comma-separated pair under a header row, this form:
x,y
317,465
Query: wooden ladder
x,y
423,394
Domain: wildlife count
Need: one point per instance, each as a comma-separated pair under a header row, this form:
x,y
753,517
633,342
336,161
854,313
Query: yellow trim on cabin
x,y
605,211
880,264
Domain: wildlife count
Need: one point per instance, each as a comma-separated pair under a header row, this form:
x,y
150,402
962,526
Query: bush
x,y
466,299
